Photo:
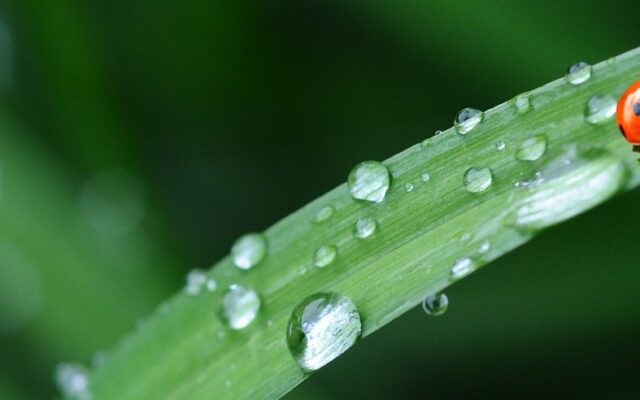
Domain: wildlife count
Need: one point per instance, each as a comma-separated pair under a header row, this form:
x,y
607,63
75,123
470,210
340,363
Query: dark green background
x,y
228,115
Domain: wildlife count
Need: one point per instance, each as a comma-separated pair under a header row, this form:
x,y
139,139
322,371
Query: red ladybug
x,y
628,115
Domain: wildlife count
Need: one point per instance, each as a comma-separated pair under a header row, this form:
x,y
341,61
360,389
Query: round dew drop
x,y
325,255
477,179
321,328
239,307
467,119
600,109
532,149
425,177
370,181
578,73
249,250
436,304
365,227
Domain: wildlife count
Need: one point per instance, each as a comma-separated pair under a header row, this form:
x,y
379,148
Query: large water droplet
x,y
436,304
325,256
522,103
365,227
249,250
600,109
532,148
578,73
477,179
467,119
73,381
462,267
324,214
369,181
239,306
196,280
322,327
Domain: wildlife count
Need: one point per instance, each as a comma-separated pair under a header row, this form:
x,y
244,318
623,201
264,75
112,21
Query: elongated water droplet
x,y
600,109
462,267
369,181
408,187
322,327
196,280
325,256
239,306
532,148
324,213
477,179
467,119
522,103
578,73
425,177
436,304
365,227
73,381
501,146
249,250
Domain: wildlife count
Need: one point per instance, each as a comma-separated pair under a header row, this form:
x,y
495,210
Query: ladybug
x,y
628,115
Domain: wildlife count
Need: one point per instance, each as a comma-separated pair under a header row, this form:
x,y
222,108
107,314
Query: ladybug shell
x,y
628,114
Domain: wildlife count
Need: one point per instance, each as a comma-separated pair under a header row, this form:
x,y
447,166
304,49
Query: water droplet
x,y
522,103
532,148
536,180
249,250
425,177
467,119
408,187
365,227
196,280
322,327
369,181
73,380
462,267
484,247
324,214
436,304
477,179
212,285
425,143
501,146
302,270
325,256
438,133
578,73
239,306
600,108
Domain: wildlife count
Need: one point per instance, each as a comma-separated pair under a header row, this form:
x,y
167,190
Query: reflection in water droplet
x,y
325,256
73,381
324,214
436,305
322,327
365,227
196,280
239,307
600,109
467,119
532,148
578,73
249,250
369,181
462,267
477,179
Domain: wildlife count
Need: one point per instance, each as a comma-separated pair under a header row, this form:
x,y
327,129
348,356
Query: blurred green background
x,y
138,139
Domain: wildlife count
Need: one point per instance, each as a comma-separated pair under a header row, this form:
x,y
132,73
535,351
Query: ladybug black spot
x,y
636,109
622,131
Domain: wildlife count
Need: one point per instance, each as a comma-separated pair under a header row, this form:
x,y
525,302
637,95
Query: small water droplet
x,y
425,177
365,227
477,179
72,380
321,328
239,306
462,267
369,181
436,305
196,280
425,143
522,103
408,187
325,256
501,146
467,119
600,108
438,133
536,180
324,214
212,285
249,250
578,73
484,247
532,148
